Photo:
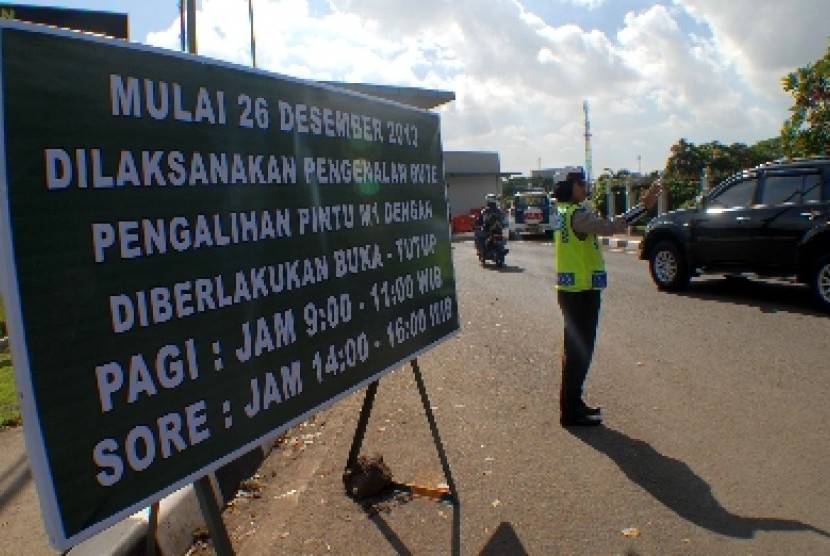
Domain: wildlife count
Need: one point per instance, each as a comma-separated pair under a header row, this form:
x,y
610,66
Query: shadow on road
x,y
769,296
394,540
13,479
676,486
375,506
506,269
504,541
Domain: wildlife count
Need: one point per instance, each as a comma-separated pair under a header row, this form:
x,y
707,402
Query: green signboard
x,y
105,23
197,256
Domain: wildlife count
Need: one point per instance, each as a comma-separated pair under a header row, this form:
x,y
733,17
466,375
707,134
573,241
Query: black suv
x,y
770,221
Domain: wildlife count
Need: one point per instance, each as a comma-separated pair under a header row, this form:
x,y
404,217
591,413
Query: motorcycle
x,y
493,247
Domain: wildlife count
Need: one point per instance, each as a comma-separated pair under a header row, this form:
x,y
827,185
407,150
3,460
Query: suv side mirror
x,y
700,201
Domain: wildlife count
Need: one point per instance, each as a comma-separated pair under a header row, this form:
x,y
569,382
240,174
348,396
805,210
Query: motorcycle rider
x,y
490,217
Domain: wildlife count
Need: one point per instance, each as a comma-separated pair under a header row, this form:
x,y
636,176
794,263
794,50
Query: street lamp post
x,y
191,26
253,42
183,28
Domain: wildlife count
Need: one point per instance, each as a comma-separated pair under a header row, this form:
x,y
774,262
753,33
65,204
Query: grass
x,y
9,405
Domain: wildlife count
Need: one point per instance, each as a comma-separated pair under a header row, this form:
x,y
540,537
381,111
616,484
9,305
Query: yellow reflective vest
x,y
579,262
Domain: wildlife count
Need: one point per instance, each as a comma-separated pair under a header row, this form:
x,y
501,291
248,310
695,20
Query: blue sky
x,y
653,72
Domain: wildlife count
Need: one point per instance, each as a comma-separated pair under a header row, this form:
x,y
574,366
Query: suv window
x,y
738,194
779,190
812,188
802,187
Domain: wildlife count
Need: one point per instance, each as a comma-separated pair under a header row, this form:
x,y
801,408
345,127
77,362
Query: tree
x,y
616,182
807,131
687,162
768,150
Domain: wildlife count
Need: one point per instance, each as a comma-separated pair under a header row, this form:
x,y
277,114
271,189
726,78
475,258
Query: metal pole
x,y
253,42
609,201
362,423
612,203
419,380
191,27
152,527
183,31
213,516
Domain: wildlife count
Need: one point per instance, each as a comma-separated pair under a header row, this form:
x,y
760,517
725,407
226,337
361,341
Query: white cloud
x,y
694,69
590,4
765,40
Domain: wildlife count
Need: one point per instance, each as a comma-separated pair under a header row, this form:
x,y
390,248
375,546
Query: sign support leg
x,y
434,428
152,527
213,517
362,423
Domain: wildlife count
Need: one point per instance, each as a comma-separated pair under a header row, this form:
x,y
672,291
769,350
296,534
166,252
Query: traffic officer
x,y
580,277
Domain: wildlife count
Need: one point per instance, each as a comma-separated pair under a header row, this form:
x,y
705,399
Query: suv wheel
x,y
820,282
668,269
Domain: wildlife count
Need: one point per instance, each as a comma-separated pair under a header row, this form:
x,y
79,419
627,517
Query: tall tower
x,y
587,142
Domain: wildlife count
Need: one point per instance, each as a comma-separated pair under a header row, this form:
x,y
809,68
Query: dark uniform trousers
x,y
581,313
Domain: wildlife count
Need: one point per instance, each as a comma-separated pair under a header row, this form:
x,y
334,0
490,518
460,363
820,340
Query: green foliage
x,y
599,195
685,168
9,404
681,192
807,131
616,182
688,161
769,149
688,164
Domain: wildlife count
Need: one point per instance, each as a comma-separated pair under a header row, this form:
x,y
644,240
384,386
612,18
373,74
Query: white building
x,y
471,175
556,174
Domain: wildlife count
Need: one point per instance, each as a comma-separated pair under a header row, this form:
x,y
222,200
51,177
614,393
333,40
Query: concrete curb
x,y
621,243
179,516
627,243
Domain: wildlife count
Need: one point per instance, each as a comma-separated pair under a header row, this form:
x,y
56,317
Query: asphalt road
x,y
715,439
715,436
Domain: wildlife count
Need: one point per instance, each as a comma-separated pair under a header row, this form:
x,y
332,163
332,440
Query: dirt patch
x,y
369,476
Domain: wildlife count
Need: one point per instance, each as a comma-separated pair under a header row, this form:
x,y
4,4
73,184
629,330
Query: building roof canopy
x,y
424,99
